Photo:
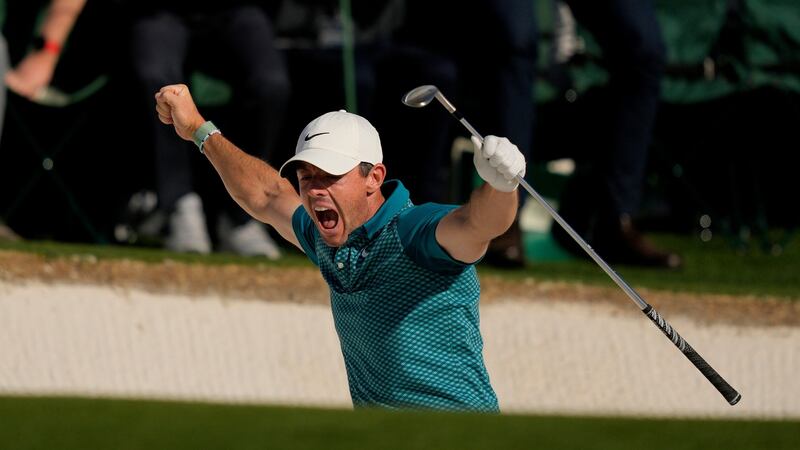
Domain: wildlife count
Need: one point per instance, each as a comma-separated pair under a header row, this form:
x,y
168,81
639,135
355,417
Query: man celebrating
x,y
404,291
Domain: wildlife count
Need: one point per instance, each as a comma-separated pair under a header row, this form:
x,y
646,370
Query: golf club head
x,y
420,96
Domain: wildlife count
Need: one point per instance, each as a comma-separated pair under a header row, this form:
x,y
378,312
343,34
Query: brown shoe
x,y
624,244
507,251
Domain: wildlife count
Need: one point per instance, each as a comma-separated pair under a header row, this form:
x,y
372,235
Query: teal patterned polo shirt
x,y
406,312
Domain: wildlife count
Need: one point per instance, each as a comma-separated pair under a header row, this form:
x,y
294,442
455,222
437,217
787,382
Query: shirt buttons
x,y
340,265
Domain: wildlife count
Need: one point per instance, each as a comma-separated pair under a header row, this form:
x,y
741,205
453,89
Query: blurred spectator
x,y
33,73
6,233
386,66
496,95
606,189
399,65
233,41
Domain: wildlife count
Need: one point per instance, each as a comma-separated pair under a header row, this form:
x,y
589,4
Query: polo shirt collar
x,y
396,199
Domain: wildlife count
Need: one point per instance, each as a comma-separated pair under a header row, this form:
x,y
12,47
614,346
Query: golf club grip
x,y
711,375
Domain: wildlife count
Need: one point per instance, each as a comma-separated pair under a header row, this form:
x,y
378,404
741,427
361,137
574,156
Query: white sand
x,y
543,357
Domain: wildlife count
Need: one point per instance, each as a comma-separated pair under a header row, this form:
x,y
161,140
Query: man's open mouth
x,y
326,217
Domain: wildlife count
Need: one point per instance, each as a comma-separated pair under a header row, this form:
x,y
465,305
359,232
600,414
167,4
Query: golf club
x,y
423,95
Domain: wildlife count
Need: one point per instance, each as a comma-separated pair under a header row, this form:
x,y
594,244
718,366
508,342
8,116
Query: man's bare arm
x,y
466,231
253,184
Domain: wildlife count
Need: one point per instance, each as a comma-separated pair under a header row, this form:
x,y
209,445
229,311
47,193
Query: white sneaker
x,y
249,239
187,227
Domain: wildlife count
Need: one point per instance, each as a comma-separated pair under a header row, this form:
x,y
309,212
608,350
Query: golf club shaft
x,y
730,394
452,110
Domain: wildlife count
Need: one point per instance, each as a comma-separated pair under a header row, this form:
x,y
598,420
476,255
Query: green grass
x,y
50,249
712,267
68,423
709,267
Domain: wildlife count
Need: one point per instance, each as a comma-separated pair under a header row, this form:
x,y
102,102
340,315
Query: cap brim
x,y
331,162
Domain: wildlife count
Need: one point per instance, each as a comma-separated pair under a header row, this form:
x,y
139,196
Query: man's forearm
x,y
251,182
465,232
490,212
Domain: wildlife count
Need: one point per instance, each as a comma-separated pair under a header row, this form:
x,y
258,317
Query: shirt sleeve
x,y
417,229
305,231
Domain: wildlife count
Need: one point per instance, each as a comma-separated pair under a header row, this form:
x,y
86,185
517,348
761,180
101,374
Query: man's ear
x,y
376,177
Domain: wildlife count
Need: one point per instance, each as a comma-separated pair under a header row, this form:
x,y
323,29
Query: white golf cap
x,y
336,142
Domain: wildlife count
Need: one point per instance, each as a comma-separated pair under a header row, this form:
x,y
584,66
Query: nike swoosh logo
x,y
364,253
308,138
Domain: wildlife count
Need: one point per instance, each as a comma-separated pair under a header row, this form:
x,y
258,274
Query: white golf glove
x,y
498,162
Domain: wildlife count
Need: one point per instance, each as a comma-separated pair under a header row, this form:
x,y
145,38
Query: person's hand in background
x,y
33,73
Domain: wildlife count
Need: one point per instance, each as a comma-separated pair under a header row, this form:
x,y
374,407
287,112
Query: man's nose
x,y
317,187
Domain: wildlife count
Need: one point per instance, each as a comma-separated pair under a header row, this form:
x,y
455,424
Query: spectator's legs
x,y
629,34
602,196
245,55
317,88
494,44
259,78
159,47
501,93
499,82
415,142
